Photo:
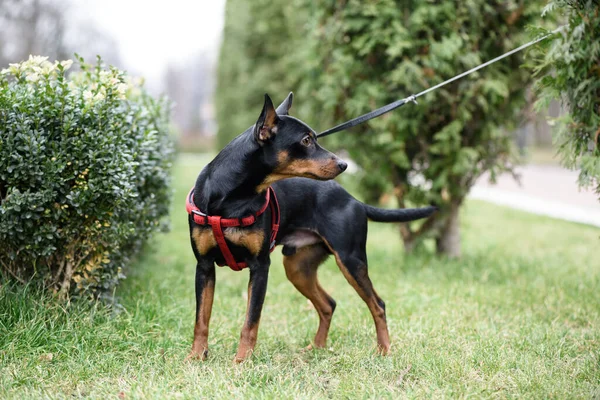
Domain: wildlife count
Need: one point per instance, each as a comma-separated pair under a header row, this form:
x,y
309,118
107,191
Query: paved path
x,y
544,190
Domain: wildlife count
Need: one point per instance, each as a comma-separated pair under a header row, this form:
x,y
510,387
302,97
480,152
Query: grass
x,y
517,316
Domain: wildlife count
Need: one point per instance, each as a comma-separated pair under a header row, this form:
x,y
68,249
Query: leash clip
x,y
412,99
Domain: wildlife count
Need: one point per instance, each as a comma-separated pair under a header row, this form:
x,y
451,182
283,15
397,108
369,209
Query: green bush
x,y
568,69
84,173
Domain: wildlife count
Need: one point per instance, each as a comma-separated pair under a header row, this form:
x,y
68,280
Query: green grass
x,y
518,316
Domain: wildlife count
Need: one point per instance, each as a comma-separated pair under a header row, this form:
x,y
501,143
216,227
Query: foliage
x,y
356,56
261,52
84,173
568,69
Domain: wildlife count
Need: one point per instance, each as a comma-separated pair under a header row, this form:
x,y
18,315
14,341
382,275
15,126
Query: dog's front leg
x,y
257,288
205,290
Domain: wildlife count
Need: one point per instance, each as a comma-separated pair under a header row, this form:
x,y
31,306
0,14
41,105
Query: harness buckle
x,y
200,213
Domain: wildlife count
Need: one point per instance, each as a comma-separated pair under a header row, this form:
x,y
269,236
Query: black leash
x,y
413,98
368,116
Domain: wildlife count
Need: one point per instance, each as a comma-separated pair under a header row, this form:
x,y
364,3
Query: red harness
x,y
218,223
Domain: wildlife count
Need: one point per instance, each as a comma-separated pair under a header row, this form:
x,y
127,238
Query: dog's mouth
x,y
312,176
314,169
305,168
325,176
320,177
322,172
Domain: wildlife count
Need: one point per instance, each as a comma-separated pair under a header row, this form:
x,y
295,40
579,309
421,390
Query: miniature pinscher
x,y
278,162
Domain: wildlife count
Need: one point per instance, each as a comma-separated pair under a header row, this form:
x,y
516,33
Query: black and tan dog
x,y
317,218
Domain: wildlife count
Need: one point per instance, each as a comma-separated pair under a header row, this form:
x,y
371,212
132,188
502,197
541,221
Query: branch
x,y
13,274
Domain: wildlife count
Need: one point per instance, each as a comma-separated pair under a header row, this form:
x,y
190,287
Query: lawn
x,y
517,316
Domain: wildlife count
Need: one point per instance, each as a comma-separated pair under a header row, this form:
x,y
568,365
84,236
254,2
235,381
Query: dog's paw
x,y
197,356
243,355
308,348
241,360
313,346
383,350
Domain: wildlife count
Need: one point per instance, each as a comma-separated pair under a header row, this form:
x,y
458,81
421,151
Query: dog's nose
x,y
342,165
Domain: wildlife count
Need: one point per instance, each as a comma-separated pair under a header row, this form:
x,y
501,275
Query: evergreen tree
x,y
568,69
373,54
258,55
344,58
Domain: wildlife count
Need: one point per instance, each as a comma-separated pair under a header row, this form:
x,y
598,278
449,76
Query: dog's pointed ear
x,y
266,126
284,107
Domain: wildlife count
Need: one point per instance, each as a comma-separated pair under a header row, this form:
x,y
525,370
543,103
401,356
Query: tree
x,y
31,27
371,55
261,51
42,27
187,86
568,69
347,57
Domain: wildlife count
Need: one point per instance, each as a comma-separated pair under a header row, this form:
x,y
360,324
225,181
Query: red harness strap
x,y
217,223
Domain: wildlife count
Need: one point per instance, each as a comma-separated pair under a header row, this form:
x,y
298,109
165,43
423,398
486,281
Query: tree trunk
x,y
448,242
409,245
407,238
66,283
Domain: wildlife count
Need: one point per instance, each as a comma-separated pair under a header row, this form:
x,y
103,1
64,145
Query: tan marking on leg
x,y
200,344
301,270
249,334
247,342
371,299
204,239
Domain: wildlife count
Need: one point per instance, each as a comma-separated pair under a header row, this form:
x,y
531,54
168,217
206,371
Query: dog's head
x,y
290,146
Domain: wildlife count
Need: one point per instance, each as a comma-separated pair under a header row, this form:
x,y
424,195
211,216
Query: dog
x,y
272,185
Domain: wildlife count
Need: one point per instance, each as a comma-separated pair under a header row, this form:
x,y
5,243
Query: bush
x,y
84,173
568,69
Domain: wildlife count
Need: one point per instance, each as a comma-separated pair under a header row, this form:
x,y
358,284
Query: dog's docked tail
x,y
398,215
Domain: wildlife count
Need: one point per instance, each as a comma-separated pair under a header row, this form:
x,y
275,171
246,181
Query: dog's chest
x,y
251,239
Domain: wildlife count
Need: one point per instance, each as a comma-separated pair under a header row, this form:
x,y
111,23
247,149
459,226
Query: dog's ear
x,y
266,126
284,107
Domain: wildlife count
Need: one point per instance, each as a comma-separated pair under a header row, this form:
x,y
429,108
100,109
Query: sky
x,y
154,33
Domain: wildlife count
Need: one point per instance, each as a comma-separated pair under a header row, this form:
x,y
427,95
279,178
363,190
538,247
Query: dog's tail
x,y
398,215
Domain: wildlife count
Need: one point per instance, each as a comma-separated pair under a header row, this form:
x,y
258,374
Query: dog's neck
x,y
228,185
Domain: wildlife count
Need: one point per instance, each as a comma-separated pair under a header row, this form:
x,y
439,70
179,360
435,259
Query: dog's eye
x,y
306,141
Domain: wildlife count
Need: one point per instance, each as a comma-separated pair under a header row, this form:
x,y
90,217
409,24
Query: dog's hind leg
x,y
205,290
301,270
354,267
